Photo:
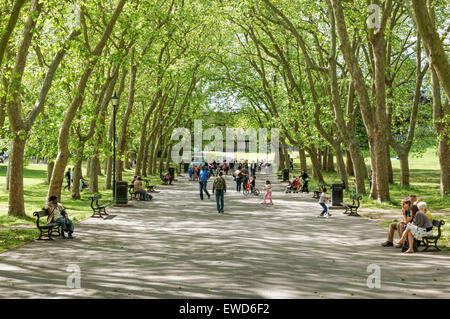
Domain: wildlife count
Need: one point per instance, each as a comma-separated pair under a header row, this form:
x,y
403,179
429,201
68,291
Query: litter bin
x,y
186,167
172,172
121,192
285,174
337,194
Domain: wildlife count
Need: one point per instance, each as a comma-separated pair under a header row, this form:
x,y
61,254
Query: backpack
x,y
219,183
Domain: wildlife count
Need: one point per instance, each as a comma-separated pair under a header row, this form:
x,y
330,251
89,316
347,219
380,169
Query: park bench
x,y
97,208
352,209
433,240
46,229
318,191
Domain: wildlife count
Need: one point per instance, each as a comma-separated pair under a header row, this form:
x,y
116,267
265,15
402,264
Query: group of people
x,y
416,223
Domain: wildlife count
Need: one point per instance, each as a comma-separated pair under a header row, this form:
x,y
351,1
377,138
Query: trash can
x,y
186,167
337,194
121,192
285,174
172,172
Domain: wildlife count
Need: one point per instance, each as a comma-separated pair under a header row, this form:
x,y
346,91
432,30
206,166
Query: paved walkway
x,y
177,246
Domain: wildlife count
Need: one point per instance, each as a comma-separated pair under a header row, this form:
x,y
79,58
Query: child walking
x,y
268,188
322,201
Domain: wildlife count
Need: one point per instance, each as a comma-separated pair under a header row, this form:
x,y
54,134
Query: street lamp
x,y
160,144
115,103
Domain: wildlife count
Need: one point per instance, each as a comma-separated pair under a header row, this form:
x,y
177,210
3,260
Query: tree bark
x,y
63,147
312,151
10,27
330,164
77,174
50,165
325,159
16,202
302,156
349,164
437,57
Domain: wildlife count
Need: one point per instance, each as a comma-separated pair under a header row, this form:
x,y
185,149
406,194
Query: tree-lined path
x,y
177,246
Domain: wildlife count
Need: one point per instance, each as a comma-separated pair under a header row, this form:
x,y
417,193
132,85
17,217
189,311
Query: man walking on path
x,y
203,180
220,187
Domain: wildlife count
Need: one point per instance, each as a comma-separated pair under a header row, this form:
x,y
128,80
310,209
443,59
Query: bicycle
x,y
247,190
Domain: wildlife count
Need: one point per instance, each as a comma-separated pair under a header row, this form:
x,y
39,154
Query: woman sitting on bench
x,y
139,189
420,227
55,208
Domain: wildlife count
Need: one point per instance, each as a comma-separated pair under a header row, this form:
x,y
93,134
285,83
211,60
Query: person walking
x,y
203,181
237,177
268,188
220,188
67,175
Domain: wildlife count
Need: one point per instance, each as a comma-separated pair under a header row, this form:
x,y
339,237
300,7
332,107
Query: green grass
x,y
424,180
35,192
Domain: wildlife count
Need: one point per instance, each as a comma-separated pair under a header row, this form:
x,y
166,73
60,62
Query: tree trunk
x,y
349,164
93,175
7,174
50,166
325,159
389,165
330,164
63,147
302,156
437,57
404,169
168,154
16,205
88,166
77,174
109,167
315,164
444,162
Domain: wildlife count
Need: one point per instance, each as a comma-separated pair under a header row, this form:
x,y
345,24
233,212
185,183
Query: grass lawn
x,y
424,180
15,231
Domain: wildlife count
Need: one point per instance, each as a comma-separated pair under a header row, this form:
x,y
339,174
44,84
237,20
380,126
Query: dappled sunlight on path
x,y
177,246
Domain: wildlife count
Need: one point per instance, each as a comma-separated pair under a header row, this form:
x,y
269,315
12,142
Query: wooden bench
x,y
352,209
433,240
318,191
47,229
133,195
97,208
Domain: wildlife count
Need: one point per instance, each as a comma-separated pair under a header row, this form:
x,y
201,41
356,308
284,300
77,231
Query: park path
x,y
177,246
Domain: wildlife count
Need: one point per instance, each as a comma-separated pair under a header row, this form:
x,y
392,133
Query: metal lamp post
x,y
115,103
160,144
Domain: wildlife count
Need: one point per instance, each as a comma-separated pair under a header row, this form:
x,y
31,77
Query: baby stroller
x,y
294,186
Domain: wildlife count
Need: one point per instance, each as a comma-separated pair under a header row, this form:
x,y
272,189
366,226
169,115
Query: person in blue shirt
x,y
203,180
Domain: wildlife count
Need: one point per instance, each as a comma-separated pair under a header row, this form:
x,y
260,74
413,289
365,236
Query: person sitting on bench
x,y
420,227
401,225
139,188
55,209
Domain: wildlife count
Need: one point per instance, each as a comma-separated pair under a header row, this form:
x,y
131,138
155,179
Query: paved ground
x,y
177,246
